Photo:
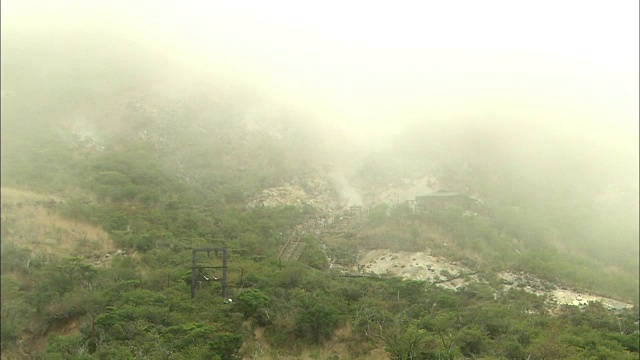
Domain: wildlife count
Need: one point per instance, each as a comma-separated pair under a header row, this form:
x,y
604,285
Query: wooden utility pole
x,y
93,345
194,267
224,273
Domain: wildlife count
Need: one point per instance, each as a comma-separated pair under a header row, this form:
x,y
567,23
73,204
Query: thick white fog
x,y
371,67
539,73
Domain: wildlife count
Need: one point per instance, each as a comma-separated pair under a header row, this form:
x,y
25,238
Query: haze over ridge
x,y
369,68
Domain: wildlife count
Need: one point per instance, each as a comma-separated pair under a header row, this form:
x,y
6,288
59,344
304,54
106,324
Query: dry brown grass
x,y
13,195
31,224
345,344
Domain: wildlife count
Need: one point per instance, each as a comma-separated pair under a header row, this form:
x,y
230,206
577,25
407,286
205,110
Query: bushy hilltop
x,y
104,196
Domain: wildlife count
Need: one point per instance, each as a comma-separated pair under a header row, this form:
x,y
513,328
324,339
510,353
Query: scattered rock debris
x,y
452,275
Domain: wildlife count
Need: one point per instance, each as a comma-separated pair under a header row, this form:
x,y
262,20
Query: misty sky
x,y
370,67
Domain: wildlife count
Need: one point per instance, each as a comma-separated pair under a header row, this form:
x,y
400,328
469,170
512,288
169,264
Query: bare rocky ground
x,y
453,275
417,266
314,192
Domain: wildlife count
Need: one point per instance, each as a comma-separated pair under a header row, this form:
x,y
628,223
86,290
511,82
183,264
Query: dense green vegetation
x,y
152,316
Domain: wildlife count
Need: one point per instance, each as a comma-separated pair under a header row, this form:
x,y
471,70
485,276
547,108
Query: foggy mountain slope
x,y
193,122
232,144
165,174
134,132
541,196
201,130
191,138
